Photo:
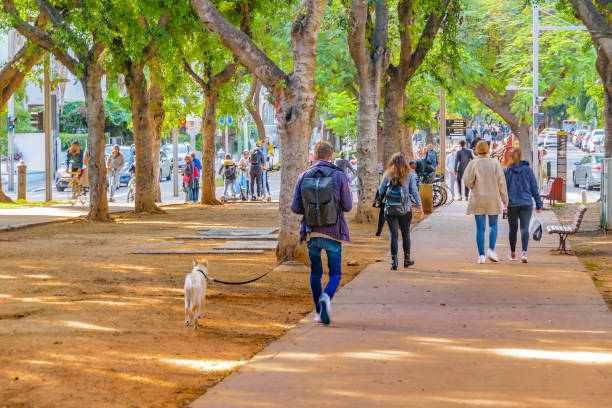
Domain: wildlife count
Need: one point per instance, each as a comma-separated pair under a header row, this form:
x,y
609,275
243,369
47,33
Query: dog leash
x,y
257,278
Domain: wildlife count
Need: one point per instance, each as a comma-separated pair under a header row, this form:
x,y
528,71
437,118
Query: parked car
x,y
165,166
598,138
183,150
588,171
585,142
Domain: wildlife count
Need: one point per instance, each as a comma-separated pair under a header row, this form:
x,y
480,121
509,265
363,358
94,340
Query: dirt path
x,y
592,246
85,323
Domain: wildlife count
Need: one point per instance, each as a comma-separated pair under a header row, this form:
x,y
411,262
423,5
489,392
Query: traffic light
x,y
182,128
11,124
182,122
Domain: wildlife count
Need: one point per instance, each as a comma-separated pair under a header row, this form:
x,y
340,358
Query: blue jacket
x,y
198,164
409,186
342,193
522,185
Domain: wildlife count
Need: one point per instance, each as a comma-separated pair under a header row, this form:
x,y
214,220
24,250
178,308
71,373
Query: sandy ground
x,y
83,322
592,246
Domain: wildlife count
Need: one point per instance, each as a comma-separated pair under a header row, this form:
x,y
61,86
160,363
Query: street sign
x,y
455,127
229,120
562,160
222,121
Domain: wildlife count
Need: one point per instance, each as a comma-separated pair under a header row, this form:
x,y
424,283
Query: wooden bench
x,y
566,230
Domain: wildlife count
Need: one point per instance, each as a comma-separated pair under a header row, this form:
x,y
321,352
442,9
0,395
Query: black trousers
x,y
459,177
381,220
255,180
403,224
521,213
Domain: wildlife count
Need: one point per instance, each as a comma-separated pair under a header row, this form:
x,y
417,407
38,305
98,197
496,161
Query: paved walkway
x,y
445,333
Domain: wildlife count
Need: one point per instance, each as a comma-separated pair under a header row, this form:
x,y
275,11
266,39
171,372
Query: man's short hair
x,y
462,143
193,154
75,142
343,155
323,150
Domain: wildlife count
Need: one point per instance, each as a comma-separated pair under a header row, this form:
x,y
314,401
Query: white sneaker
x,y
492,255
481,259
317,318
524,257
512,256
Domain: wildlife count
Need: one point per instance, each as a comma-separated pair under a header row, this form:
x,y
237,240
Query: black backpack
x,y
229,171
395,204
320,207
254,157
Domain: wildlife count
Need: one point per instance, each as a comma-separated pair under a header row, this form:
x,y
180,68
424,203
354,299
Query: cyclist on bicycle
x,y
114,164
74,159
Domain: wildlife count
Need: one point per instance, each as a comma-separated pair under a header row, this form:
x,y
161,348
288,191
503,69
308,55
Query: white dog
x,y
195,292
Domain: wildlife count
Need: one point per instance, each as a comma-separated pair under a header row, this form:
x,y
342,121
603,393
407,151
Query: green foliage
x,y
342,107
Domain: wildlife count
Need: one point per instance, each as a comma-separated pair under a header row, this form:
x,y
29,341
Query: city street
x,y
574,155
36,191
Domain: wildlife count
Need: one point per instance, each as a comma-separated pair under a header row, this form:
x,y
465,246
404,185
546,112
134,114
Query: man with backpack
x,y
464,156
256,159
322,195
228,172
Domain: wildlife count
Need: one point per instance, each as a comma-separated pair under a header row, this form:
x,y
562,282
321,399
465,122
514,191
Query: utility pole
x,y
175,176
48,123
11,116
443,132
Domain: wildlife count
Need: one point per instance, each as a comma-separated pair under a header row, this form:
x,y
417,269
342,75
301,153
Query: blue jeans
x,y
190,193
196,191
267,184
333,249
228,185
481,222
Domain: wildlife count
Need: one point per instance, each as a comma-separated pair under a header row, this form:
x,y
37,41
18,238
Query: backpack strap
x,y
325,172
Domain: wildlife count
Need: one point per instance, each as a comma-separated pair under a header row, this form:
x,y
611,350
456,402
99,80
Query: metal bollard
x,y
21,180
584,196
426,193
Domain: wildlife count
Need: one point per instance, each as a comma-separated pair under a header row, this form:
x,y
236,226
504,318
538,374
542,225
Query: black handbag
x,y
378,200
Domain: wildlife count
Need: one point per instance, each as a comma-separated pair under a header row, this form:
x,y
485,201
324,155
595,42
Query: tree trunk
x,y
209,128
380,140
231,138
607,113
157,115
296,116
3,197
393,110
296,105
96,166
254,108
11,78
145,179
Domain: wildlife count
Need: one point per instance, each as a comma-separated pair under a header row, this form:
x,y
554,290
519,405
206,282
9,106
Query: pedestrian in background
x,y
397,185
462,159
324,237
484,176
451,179
432,156
256,161
114,164
189,178
198,165
228,172
243,165
522,192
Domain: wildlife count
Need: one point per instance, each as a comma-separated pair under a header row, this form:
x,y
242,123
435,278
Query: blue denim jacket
x,y
409,186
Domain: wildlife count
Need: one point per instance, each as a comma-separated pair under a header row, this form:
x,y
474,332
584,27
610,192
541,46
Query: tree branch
x,y
427,37
195,76
15,70
39,37
239,44
223,77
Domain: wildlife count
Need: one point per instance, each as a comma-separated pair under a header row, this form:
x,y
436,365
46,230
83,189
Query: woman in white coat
x,y
485,177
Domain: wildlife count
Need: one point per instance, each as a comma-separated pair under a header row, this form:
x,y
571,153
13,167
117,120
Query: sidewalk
x,y
445,333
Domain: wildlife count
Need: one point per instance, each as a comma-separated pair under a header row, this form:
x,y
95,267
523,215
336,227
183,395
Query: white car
x,y
597,139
